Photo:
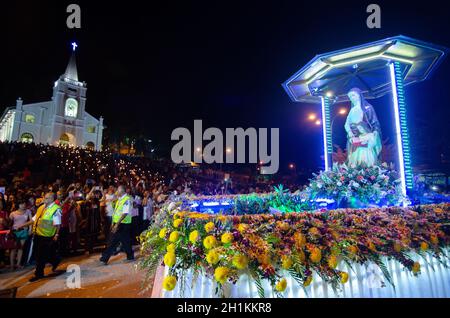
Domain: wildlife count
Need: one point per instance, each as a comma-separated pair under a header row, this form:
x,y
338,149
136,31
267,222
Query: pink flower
x,y
372,177
359,178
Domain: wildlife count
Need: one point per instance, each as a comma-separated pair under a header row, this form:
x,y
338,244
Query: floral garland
x,y
267,246
377,185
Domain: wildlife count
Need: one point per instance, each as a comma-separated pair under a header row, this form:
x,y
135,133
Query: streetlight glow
x,y
343,111
318,122
312,116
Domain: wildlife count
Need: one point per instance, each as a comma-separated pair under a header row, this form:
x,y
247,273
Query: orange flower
x,y
283,226
416,267
264,259
438,211
316,255
353,249
424,246
300,240
371,246
397,247
314,231
434,239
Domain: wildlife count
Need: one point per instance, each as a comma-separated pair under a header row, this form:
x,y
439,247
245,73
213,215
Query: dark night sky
x,y
154,67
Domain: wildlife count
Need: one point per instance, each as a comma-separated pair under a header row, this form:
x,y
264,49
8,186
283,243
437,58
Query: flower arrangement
x,y
349,187
271,246
365,186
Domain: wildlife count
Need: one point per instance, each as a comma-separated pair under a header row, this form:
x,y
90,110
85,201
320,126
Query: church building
x,y
61,121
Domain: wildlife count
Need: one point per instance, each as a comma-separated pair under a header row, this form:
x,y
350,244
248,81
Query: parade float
x,y
353,232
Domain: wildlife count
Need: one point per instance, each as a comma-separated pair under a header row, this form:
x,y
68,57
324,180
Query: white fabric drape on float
x,y
363,282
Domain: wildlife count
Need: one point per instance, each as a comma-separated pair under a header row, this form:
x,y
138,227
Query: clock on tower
x,y
71,107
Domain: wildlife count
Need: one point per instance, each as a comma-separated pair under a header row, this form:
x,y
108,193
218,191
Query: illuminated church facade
x,y
61,121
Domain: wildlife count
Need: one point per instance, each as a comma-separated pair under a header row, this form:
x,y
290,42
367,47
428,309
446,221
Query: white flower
x,y
339,183
319,185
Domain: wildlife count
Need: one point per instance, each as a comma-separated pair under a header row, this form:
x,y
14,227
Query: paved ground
x,y
119,279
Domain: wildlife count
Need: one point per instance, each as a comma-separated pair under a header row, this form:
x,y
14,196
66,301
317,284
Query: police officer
x,y
121,227
46,224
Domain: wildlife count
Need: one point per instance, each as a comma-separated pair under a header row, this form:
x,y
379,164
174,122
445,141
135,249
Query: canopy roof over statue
x,y
365,66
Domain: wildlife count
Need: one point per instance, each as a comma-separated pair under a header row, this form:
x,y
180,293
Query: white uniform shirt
x,y
109,204
127,205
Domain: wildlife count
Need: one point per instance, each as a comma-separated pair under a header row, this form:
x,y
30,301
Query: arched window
x,y
26,137
90,145
29,118
64,140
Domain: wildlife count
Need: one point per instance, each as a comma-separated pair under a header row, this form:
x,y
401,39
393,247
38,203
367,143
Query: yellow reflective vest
x,y
118,209
43,224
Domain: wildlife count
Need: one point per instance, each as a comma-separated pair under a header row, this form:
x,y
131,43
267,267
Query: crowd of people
x,y
85,186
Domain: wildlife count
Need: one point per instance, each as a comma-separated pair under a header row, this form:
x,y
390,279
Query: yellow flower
x,y
169,259
169,283
332,261
176,215
316,255
344,277
209,242
221,274
424,246
171,248
282,226
397,247
308,281
286,262
240,261
222,218
174,236
314,231
193,236
281,285
300,240
226,238
242,227
209,227
434,239
162,233
177,222
416,267
212,257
